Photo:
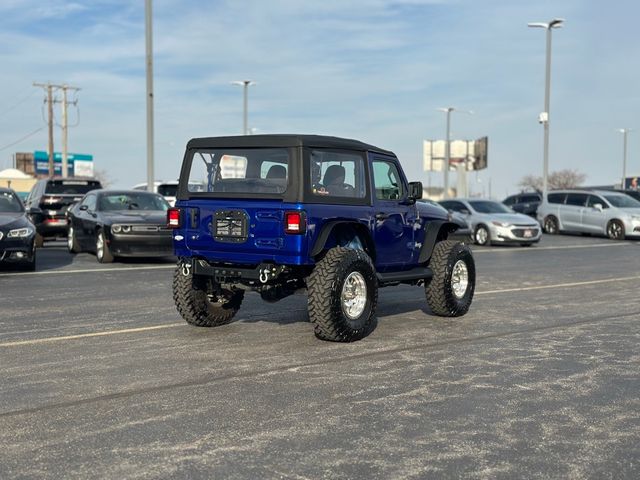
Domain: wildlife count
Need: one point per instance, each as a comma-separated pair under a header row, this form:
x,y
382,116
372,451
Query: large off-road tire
x,y
450,291
72,241
343,293
196,302
615,230
482,235
103,252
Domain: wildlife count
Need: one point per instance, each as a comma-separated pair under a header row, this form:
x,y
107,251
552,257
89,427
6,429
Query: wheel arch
x,y
333,230
435,231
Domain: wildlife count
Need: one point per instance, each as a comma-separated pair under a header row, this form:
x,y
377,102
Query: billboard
x,y
473,153
78,164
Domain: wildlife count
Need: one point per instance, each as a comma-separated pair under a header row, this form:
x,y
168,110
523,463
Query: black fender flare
x,y
328,227
435,231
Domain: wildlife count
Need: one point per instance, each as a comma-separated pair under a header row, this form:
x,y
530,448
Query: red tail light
x,y
295,222
174,218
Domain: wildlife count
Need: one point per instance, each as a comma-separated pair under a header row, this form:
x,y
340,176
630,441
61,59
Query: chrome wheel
x,y
482,235
70,239
100,246
354,295
460,279
550,226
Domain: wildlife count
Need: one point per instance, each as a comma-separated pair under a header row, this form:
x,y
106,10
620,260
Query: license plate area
x,y
230,226
528,233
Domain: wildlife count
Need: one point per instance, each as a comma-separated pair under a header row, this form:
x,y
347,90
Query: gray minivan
x,y
609,213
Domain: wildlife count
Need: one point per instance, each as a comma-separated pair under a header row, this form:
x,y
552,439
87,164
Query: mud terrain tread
x,y
324,303
192,303
440,297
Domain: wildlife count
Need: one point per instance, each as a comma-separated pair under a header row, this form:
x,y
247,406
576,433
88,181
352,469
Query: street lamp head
x,y
243,82
446,109
555,23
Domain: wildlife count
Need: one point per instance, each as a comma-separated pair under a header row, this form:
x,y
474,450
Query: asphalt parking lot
x,y
99,377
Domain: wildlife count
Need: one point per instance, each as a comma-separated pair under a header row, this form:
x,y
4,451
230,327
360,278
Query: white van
x,y
167,189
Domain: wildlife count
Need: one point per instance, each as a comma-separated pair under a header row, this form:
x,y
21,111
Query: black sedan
x,y
17,233
120,223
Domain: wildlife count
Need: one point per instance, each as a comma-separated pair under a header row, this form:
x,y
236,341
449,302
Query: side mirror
x,y
84,208
464,211
598,206
35,214
415,190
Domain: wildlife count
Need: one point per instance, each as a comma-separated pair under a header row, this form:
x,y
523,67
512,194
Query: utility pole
x,y
49,100
149,58
65,128
624,132
50,88
447,145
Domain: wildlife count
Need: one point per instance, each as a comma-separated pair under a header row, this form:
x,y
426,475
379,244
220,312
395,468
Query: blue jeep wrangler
x,y
277,214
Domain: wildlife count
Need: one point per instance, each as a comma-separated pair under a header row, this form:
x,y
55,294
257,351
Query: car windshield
x,y
239,171
132,201
622,201
9,203
168,189
487,206
71,187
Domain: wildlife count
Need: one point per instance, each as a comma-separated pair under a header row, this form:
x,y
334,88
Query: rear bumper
x,y
53,226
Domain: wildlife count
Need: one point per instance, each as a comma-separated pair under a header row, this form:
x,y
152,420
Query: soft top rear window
x,y
239,171
71,187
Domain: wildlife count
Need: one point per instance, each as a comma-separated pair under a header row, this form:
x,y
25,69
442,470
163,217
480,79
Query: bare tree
x,y
103,177
561,179
566,179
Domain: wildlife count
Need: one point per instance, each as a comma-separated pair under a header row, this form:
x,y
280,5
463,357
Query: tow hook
x,y
267,272
186,267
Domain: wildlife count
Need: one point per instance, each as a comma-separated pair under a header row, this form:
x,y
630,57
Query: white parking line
x,y
560,285
559,247
173,325
89,335
88,270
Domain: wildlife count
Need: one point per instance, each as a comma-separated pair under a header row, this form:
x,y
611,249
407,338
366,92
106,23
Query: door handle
x,y
382,216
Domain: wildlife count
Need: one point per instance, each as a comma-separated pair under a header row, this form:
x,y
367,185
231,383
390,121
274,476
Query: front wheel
x,y
481,235
551,225
200,301
72,241
450,291
103,252
615,230
343,292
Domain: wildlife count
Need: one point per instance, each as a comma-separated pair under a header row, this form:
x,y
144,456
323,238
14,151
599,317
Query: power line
x,y
17,104
22,139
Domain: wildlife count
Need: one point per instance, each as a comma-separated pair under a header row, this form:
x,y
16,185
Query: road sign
x,y
78,164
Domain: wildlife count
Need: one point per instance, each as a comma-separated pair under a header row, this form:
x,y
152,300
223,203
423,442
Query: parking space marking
x,y
559,247
89,335
560,285
179,324
88,270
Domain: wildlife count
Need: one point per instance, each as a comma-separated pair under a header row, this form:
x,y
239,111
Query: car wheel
x,y
343,293
481,235
551,225
30,264
450,291
103,253
72,242
200,301
615,230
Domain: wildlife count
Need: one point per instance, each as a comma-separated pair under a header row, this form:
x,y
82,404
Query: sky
x,y
373,70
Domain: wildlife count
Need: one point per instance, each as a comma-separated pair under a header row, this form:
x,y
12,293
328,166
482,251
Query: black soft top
x,y
281,140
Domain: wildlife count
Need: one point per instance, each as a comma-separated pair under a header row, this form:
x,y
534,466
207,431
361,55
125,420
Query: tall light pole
x,y
544,116
624,132
149,61
245,115
447,145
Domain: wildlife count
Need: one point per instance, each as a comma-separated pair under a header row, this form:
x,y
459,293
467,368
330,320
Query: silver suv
x,y
609,213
